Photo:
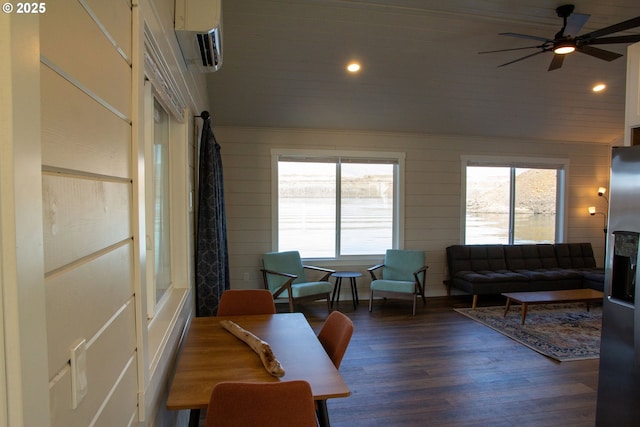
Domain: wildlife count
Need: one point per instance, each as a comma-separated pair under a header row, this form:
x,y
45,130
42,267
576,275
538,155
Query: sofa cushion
x,y
485,276
575,255
530,257
593,278
553,274
475,258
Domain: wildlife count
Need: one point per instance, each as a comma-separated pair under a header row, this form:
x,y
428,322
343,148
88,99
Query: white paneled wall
x,y
91,127
632,107
24,396
102,145
87,208
432,189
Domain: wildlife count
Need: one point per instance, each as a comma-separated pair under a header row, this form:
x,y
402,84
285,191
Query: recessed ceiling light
x,y
599,87
353,67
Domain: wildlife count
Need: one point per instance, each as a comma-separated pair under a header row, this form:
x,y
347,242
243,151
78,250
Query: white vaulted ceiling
x,y
284,66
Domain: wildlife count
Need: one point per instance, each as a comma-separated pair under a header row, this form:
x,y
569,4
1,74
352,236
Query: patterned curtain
x,y
212,258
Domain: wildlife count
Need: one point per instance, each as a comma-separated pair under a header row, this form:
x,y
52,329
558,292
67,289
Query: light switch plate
x,y
79,386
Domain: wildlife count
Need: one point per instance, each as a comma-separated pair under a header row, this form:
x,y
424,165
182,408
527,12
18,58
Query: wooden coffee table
x,y
551,297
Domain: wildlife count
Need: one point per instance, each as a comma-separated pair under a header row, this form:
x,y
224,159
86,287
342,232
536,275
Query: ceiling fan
x,y
567,40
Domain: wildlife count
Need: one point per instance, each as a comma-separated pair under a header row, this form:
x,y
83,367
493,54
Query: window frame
x,y
175,135
150,208
163,312
158,337
398,200
559,164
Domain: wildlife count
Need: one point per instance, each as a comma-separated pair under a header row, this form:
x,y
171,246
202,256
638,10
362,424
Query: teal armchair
x,y
403,276
284,275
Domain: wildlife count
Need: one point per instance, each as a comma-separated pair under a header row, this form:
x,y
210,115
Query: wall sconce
x,y
592,211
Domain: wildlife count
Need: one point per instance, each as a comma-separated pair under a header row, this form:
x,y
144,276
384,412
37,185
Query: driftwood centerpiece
x,y
263,349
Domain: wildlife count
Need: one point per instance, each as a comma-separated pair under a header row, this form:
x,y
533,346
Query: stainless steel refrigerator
x,y
619,375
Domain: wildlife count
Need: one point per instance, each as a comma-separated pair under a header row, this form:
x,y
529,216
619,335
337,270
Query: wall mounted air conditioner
x,y
198,25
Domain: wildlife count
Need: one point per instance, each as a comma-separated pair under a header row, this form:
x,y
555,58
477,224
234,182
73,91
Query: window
x,y
163,136
513,202
163,186
161,220
337,205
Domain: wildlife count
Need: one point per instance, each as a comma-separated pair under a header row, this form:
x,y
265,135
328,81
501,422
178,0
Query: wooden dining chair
x,y
236,302
269,404
335,336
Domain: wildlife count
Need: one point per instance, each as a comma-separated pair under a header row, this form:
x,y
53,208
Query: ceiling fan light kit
x,y
563,49
567,41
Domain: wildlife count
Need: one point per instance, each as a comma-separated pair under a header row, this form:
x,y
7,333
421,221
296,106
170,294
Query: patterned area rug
x,y
563,332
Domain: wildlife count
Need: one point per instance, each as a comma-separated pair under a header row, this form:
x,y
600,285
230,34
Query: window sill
x,y
161,327
335,263
161,347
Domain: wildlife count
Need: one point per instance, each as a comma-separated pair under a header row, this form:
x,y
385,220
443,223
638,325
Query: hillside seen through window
x,y
509,205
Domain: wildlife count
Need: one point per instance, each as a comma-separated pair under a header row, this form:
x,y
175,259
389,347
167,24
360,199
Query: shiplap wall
x,y
90,129
86,104
632,107
432,189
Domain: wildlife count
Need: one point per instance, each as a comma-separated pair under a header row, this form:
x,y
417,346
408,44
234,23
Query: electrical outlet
x,y
246,276
79,385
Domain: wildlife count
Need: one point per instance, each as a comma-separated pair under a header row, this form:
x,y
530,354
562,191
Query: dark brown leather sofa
x,y
494,269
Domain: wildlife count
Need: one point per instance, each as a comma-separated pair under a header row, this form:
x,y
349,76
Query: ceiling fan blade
x,y
575,22
525,36
515,48
615,28
599,53
556,62
520,59
615,39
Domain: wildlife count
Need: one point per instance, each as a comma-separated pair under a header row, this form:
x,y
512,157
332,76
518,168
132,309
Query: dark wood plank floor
x,y
442,369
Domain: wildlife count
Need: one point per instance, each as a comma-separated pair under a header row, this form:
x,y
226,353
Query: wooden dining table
x,y
210,355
